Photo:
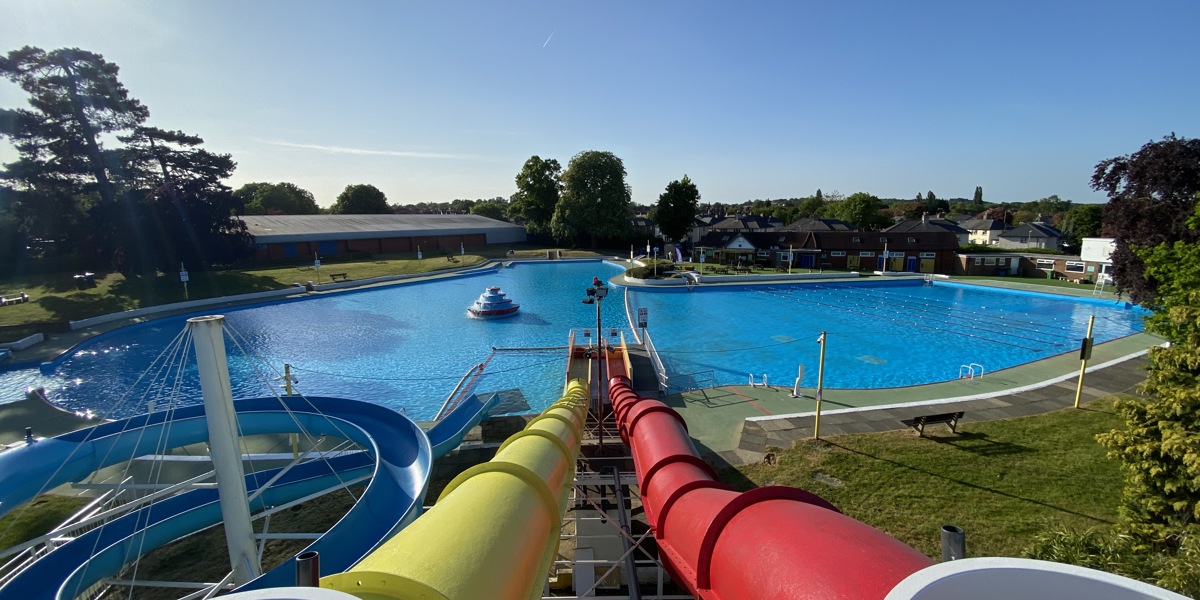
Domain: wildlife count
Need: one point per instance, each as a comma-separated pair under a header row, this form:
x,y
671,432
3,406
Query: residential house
x,y
925,224
1031,235
985,232
925,252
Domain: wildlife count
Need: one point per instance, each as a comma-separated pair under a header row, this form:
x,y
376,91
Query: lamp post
x,y
595,295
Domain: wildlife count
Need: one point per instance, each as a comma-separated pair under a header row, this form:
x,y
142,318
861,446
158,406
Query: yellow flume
x,y
494,531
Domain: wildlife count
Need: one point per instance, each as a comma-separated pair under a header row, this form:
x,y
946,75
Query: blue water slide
x,y
103,550
394,496
449,432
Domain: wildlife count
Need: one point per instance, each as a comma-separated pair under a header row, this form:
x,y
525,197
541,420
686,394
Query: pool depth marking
x,y
747,399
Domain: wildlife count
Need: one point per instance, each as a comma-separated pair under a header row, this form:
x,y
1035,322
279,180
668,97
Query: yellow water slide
x,y
494,531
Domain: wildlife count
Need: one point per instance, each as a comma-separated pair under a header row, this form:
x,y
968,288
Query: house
x,y
1031,235
992,264
985,232
926,252
305,236
644,227
925,225
818,225
747,223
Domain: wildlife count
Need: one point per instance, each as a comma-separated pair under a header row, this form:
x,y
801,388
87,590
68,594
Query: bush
x,y
1121,554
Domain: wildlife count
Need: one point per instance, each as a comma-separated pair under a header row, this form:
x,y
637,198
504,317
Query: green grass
x,y
36,517
1002,481
1062,283
54,297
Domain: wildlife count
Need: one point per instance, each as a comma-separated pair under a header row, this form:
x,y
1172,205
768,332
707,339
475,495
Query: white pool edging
x,y
982,396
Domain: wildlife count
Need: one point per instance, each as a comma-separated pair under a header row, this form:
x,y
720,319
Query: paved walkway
x,y
737,424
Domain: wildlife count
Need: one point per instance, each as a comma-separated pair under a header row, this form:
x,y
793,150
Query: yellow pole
x,y
1084,359
820,386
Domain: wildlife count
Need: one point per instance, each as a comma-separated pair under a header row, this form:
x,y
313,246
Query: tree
x,y
863,210
595,199
676,209
978,199
1082,220
538,190
1050,209
361,199
1159,448
818,196
1152,193
75,98
812,207
277,199
492,209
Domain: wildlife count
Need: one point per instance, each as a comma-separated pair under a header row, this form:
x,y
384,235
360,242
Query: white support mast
x,y
223,444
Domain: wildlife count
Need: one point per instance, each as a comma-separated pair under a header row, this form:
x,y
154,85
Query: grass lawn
x,y
1002,481
37,517
55,297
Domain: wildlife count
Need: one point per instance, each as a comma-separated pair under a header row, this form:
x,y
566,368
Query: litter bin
x,y
80,281
90,278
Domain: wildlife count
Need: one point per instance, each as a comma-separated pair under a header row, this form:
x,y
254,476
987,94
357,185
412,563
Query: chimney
x,y
924,217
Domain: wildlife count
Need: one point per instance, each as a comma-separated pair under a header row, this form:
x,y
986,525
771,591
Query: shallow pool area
x,y
880,334
407,346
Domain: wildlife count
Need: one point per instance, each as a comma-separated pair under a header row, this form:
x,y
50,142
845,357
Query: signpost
x,y
183,276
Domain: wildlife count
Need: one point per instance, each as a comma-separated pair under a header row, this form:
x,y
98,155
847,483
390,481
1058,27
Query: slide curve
x,y
394,495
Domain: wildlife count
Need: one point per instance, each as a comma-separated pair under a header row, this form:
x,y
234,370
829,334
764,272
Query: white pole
x,y
223,445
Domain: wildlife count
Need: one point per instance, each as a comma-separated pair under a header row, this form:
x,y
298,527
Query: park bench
x,y
337,276
18,299
919,423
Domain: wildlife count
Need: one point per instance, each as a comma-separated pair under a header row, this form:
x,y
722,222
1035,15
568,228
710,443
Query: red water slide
x,y
770,542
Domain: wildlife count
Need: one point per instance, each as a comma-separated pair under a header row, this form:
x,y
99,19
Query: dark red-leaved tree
x,y
1152,193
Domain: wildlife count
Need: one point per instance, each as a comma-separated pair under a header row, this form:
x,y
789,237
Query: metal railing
x,y
660,370
683,382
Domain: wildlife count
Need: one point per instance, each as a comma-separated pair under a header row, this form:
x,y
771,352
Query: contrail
x,y
551,36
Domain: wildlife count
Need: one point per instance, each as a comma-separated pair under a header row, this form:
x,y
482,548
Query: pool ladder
x,y
968,371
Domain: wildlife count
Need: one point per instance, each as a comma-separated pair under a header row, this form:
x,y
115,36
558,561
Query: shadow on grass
x,y
726,473
969,484
979,443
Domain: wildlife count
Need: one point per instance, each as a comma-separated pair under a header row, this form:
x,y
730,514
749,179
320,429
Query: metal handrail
x,y
464,387
660,370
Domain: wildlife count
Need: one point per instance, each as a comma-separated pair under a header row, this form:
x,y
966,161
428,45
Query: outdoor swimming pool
x,y
406,346
880,333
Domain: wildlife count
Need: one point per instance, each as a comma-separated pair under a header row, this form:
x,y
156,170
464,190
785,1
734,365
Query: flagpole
x,y
820,386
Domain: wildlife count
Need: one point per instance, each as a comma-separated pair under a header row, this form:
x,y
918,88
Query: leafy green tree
x,y
812,207
492,209
361,199
595,200
277,199
1151,192
538,190
818,195
676,209
978,199
863,210
907,210
1159,448
1051,209
1082,220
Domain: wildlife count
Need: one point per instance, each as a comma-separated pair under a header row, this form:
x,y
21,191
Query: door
x,y
926,265
852,262
912,264
897,264
806,261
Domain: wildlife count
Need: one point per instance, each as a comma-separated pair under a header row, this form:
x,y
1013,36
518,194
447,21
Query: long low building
x,y
303,236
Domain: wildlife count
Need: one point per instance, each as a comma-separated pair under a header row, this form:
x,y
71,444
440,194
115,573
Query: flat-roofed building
x,y
301,236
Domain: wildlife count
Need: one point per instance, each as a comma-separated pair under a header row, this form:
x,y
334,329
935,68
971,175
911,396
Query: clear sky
x,y
432,101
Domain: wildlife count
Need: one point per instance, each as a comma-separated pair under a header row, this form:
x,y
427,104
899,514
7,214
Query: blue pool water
x,y
406,346
880,334
403,346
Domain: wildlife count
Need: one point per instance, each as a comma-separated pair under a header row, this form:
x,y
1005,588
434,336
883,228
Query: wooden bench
x,y
337,276
919,423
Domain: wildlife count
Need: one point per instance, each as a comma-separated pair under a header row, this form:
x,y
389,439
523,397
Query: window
x,y
978,261
1045,264
857,240
989,261
1106,269
866,253
912,240
785,256
1074,266
894,254
929,255
838,253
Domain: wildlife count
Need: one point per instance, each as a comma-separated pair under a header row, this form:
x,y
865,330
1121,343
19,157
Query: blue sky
x,y
431,101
